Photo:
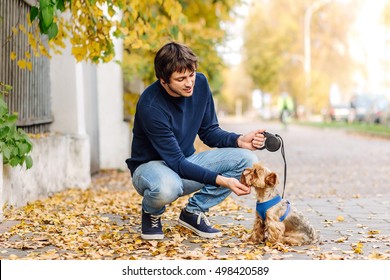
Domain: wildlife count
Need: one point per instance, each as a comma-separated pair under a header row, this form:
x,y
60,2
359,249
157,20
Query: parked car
x,y
378,107
360,104
339,112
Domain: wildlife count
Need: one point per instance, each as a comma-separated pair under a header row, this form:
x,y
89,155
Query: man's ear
x,y
271,179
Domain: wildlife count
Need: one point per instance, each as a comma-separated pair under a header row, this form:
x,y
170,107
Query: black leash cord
x,y
285,163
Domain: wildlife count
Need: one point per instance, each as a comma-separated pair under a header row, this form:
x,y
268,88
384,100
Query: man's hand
x,y
252,140
234,185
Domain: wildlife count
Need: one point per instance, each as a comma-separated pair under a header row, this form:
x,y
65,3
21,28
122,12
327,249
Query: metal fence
x,y
30,96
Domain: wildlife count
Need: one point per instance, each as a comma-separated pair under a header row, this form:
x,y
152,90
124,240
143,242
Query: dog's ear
x,y
254,174
271,179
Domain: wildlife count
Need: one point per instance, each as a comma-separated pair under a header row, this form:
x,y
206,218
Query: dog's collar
x,y
262,207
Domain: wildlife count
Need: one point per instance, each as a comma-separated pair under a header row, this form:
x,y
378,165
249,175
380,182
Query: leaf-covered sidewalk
x,y
103,222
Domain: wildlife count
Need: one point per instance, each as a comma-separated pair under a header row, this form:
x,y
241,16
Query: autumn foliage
x,y
92,26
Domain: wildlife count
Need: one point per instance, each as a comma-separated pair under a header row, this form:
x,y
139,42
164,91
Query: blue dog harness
x,y
262,207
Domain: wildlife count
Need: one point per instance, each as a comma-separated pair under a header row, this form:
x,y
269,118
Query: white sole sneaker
x,y
152,236
198,232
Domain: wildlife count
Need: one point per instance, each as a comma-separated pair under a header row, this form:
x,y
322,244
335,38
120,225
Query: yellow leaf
x,y
358,248
371,232
79,53
13,55
28,55
342,240
170,252
376,256
36,53
29,66
15,30
22,64
196,241
32,40
43,50
340,218
13,257
22,28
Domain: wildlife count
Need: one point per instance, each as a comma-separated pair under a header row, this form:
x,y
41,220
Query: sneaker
x,y
151,226
199,224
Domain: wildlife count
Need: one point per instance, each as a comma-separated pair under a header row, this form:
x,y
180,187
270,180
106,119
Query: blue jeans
x,y
159,185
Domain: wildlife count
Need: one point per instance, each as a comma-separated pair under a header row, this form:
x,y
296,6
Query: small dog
x,y
276,221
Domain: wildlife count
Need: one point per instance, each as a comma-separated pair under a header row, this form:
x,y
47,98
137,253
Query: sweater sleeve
x,y
161,136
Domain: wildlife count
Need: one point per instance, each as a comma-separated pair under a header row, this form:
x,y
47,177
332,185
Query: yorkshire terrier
x,y
276,220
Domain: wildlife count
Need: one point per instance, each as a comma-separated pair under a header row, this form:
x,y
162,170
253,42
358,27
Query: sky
x,y
370,47
231,52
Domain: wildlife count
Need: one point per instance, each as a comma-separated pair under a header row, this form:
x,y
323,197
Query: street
x,y
326,162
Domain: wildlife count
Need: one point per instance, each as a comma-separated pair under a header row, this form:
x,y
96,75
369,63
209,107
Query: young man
x,y
170,113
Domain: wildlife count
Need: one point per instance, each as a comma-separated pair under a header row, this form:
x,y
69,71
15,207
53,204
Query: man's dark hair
x,y
174,57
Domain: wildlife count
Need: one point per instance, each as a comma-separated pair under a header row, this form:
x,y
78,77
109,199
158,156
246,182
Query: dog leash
x,y
272,144
285,163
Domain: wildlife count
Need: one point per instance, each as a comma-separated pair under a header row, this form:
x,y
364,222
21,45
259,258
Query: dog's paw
x,y
256,238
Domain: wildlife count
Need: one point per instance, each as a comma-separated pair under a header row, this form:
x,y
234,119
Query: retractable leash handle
x,y
273,143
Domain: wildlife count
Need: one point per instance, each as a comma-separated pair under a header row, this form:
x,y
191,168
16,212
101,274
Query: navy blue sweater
x,y
165,128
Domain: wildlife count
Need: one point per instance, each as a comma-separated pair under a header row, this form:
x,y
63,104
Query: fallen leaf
x,y
196,241
378,256
342,240
13,257
357,248
340,218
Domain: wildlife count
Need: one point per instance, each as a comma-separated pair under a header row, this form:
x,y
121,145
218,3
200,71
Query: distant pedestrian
x,y
170,113
285,107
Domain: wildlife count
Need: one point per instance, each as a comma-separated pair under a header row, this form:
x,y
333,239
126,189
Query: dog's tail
x,y
313,235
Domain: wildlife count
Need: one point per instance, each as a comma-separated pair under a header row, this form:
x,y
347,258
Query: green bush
x,y
15,144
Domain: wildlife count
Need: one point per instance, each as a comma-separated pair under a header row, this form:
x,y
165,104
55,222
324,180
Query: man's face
x,y
180,84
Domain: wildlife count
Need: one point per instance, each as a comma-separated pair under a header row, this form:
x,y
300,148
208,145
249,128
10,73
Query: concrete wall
x,y
67,87
92,114
60,162
114,132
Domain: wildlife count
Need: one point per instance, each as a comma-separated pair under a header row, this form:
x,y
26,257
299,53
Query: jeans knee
x,y
239,159
165,193
167,196
248,158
